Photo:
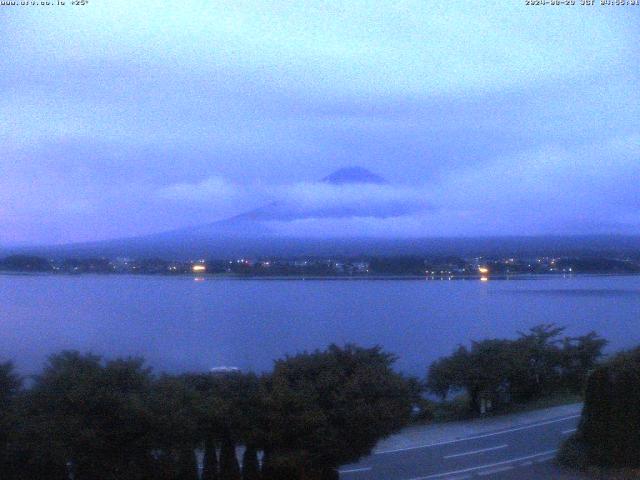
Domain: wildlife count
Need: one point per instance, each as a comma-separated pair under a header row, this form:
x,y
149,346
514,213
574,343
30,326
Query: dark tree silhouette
x,y
610,425
537,363
210,466
10,384
187,467
174,409
330,407
229,468
92,416
250,465
579,357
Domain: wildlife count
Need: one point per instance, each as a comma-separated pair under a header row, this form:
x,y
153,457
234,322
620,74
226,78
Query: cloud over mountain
x,y
349,192
550,190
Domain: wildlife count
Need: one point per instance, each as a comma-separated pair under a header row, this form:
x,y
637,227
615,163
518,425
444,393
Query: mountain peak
x,y
353,175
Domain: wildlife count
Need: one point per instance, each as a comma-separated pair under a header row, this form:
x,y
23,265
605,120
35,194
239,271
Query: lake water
x,y
178,323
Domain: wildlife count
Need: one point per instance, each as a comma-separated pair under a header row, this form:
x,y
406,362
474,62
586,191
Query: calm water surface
x,y
180,324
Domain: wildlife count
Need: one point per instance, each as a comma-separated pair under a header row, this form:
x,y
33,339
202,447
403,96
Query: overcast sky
x,y
121,118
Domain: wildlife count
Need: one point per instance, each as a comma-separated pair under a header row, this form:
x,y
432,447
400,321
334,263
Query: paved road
x,y
520,452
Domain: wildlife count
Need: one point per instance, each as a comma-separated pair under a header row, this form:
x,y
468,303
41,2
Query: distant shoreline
x,y
223,276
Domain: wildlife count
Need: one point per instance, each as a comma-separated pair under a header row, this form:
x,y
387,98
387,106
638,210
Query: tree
x,y
210,462
490,371
535,364
610,424
187,468
579,357
92,416
25,263
448,373
250,465
229,468
230,412
10,384
331,407
115,420
540,360
174,406
484,372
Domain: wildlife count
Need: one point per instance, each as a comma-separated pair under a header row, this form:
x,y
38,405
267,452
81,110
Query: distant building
x,y
360,267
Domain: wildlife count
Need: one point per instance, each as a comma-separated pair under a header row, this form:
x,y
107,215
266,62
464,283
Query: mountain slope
x,y
255,222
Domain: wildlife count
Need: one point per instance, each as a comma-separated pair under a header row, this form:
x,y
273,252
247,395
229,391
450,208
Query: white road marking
x,y
475,437
473,452
355,470
491,471
567,432
489,465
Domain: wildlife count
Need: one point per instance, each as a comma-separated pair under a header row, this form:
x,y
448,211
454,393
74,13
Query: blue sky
x,y
122,118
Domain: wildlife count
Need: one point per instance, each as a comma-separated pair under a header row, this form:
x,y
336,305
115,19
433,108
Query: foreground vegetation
x,y
90,419
497,374
608,437
86,418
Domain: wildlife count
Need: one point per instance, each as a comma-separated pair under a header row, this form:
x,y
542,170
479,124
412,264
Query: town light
x,y
483,270
198,268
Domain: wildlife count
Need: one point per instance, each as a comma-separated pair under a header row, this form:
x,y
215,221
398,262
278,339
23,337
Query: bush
x,y
331,407
94,419
610,425
497,372
573,453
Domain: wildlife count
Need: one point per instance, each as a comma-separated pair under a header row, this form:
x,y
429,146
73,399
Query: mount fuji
x,y
257,222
